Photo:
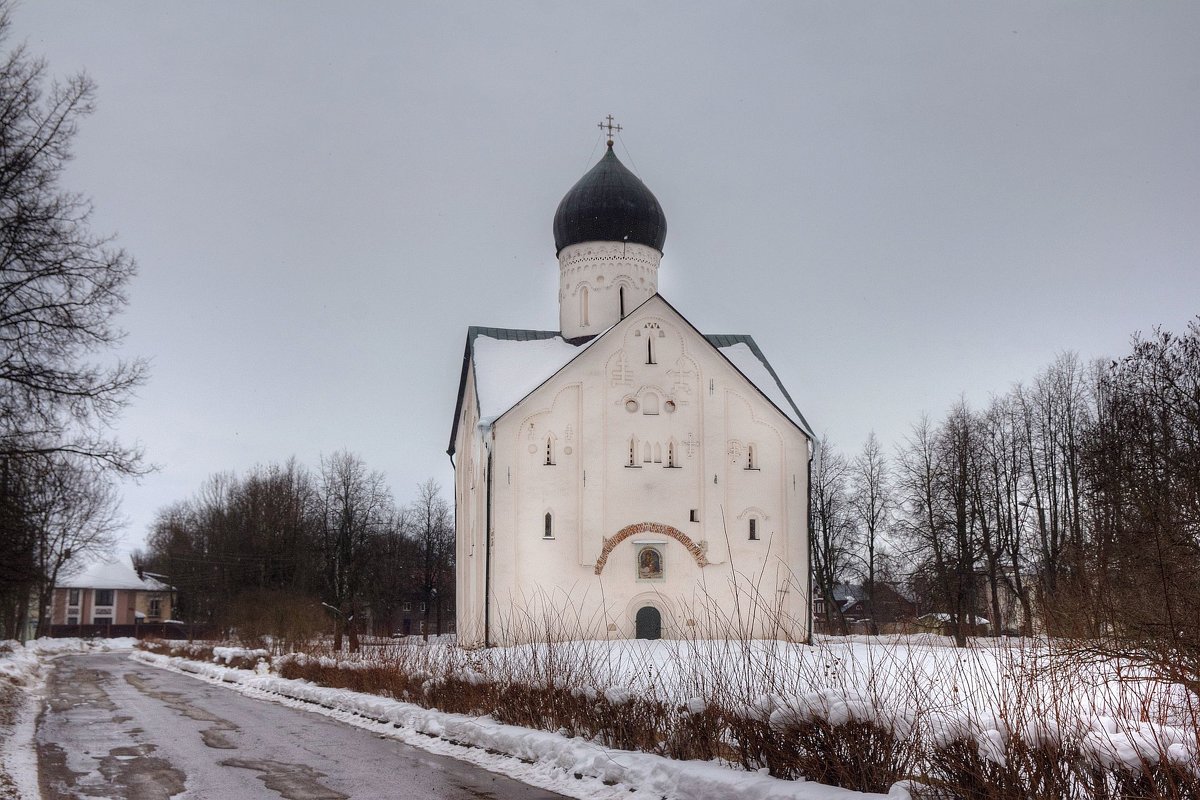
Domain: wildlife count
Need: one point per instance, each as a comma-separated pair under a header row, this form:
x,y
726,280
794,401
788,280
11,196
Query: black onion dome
x,y
609,204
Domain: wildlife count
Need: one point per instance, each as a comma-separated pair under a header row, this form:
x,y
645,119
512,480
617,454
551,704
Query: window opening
x,y
621,300
549,534
72,597
646,452
549,451
657,453
104,597
583,306
671,454
753,529
694,515
751,460
650,403
650,350
633,452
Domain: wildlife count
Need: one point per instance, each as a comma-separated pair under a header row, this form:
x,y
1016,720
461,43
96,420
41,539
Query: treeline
x,y
288,551
61,288
1076,499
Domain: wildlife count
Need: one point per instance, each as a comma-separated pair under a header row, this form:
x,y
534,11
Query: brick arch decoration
x,y
649,527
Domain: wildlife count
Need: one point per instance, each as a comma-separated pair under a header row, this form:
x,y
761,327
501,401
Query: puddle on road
x,y
292,781
144,777
213,737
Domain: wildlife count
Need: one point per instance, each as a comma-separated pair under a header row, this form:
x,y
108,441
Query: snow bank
x,y
224,655
571,765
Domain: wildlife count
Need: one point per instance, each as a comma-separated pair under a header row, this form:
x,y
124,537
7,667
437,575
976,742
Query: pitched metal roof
x,y
717,340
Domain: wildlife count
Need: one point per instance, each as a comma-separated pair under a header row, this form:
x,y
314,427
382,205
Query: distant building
x,y
625,475
110,596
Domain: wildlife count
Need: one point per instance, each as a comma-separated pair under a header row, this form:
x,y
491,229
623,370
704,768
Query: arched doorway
x,y
648,623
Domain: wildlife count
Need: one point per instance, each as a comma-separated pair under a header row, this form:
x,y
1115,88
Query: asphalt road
x,y
115,728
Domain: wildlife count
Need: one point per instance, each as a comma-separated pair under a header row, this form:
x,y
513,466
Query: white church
x,y
626,475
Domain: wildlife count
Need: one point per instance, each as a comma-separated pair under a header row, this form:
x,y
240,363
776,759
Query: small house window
x,y
104,597
72,597
72,620
753,529
155,609
694,515
549,534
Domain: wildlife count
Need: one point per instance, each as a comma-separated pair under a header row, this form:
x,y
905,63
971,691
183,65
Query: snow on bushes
x,y
994,720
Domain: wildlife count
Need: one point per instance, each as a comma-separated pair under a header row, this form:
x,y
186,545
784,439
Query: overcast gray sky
x,y
903,201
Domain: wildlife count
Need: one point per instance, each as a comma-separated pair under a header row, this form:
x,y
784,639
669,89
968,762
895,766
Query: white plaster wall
x,y
601,270
541,584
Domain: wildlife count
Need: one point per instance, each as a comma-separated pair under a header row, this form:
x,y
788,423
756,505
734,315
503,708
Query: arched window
x,y
549,451
632,452
657,453
621,300
671,453
646,453
751,457
650,403
549,534
650,350
583,306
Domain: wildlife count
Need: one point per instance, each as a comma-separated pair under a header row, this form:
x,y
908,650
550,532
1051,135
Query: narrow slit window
x,y
633,452
694,515
549,451
670,454
583,306
650,350
657,453
549,534
646,453
751,457
753,529
621,300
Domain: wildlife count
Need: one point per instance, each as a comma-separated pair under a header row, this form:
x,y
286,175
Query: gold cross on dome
x,y
609,127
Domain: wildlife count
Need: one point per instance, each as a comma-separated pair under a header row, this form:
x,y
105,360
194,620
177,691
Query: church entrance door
x,y
649,623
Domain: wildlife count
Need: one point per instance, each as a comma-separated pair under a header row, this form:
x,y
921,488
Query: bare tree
x,y
432,526
870,503
832,528
61,287
74,516
353,506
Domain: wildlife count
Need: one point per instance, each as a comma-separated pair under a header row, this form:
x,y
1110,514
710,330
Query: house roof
x,y
113,575
512,362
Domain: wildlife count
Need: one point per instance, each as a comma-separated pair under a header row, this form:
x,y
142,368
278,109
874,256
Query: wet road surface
x,y
116,728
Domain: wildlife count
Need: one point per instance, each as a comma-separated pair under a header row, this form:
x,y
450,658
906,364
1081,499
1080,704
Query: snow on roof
x,y
112,575
507,369
748,363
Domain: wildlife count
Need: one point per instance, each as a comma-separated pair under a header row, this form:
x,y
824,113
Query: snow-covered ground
x,y
22,673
